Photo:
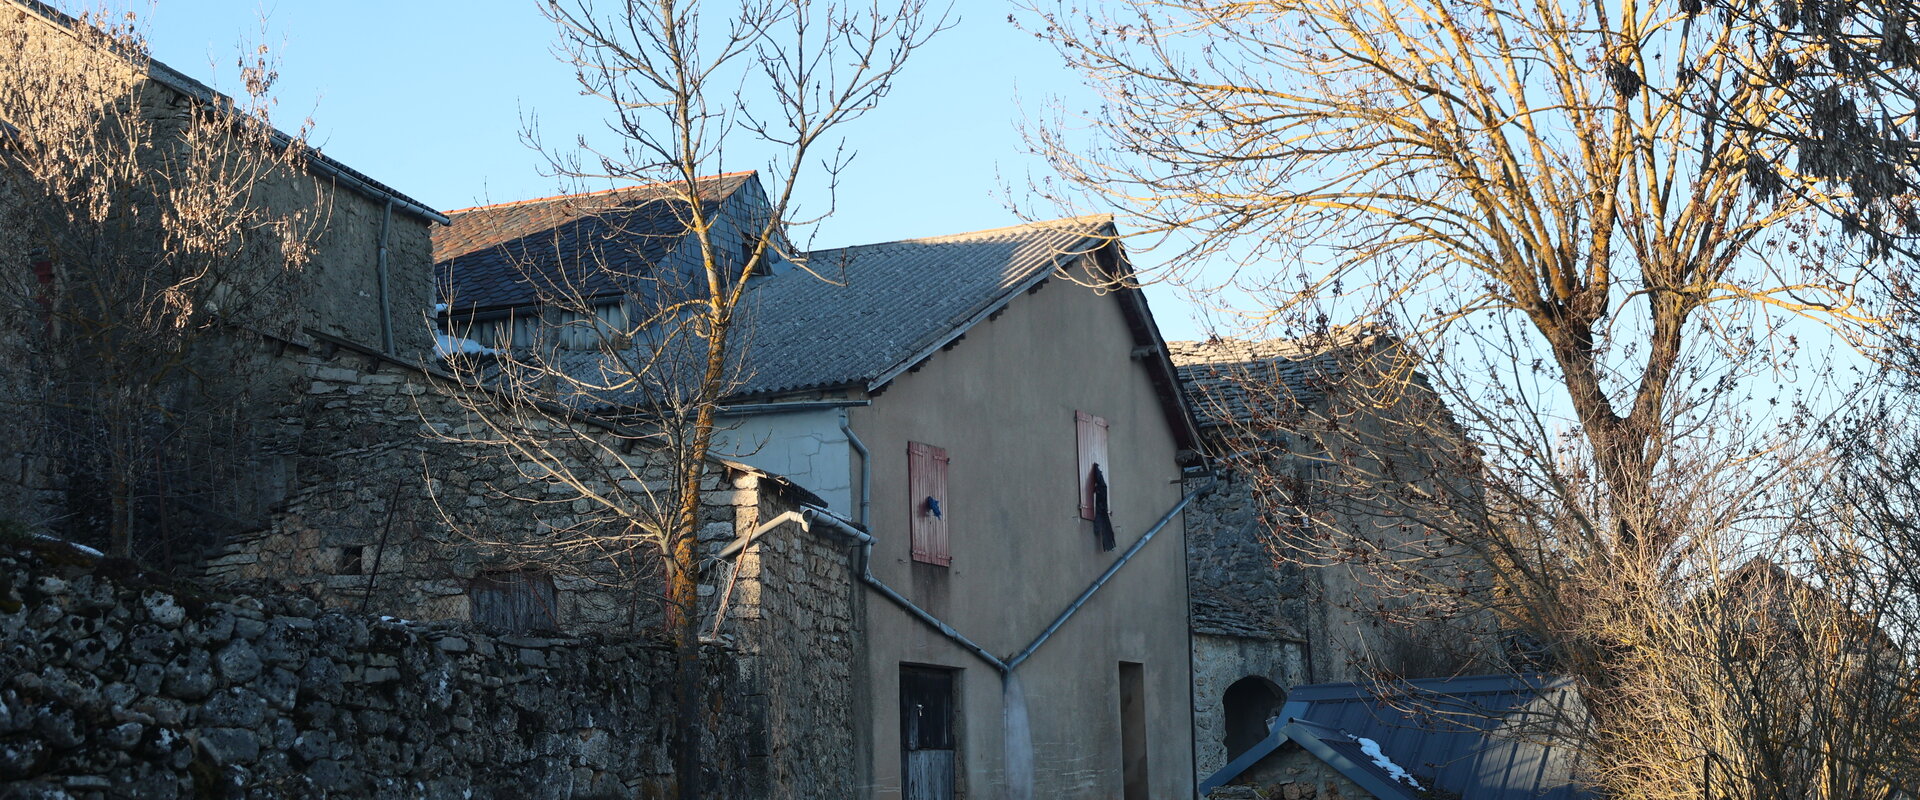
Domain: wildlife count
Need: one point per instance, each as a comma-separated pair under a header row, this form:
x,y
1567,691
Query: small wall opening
x,y
1247,705
516,601
1133,731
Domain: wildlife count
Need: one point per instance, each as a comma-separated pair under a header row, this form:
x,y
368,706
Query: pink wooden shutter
x,y
1092,434
927,478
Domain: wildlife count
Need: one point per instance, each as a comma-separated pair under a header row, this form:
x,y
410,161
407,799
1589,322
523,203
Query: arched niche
x,y
1247,705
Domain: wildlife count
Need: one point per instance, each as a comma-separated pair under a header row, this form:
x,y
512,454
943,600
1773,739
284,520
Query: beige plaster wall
x,y
1002,403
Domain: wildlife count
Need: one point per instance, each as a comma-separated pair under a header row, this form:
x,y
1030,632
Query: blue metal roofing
x,y
1490,737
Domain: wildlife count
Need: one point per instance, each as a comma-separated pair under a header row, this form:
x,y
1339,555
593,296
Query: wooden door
x,y
928,751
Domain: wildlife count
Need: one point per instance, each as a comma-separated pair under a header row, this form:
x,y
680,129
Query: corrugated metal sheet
x,y
1494,737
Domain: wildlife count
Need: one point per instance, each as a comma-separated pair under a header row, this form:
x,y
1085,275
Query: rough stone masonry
x,y
119,689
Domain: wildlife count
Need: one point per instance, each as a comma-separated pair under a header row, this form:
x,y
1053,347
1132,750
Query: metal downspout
x,y
866,469
380,268
1023,655
815,514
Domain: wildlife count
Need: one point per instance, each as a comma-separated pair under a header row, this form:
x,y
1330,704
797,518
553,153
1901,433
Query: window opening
x,y
353,560
514,601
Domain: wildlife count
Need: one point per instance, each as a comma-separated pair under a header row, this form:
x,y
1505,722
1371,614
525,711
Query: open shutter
x,y
927,500
1092,434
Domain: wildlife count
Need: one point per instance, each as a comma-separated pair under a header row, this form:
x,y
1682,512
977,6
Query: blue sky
x,y
427,96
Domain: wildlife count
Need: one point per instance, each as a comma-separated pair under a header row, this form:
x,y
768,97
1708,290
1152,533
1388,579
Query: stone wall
x,y
1290,773
1221,661
388,507
1252,610
117,688
390,501
48,375
792,615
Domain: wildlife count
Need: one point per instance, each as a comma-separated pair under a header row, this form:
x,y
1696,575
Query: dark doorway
x,y
1133,730
927,742
1248,704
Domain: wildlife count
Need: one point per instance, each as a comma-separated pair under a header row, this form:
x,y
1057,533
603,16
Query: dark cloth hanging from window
x,y
1102,518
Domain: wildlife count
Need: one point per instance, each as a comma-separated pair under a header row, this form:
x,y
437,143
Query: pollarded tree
x,y
1526,192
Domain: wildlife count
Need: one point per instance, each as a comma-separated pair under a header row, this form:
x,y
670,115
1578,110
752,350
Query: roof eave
x,y
1161,370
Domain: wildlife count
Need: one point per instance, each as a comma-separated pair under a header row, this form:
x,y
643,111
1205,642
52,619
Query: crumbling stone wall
x,y
1218,663
385,509
386,505
113,688
792,614
1252,610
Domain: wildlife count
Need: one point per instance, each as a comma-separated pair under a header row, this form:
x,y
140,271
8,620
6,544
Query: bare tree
x,y
1846,76
151,227
640,328
1578,261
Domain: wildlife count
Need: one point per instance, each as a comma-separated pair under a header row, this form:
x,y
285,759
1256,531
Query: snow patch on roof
x,y
446,345
1372,750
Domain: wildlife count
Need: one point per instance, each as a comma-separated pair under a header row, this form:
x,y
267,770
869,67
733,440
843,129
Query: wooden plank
x,y
930,775
927,478
1091,435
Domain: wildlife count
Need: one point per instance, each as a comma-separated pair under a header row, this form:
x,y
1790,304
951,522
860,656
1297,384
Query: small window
x,y
927,500
516,601
353,560
1095,478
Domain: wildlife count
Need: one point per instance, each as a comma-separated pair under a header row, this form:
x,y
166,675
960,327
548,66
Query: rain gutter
x,y
845,528
1112,569
798,405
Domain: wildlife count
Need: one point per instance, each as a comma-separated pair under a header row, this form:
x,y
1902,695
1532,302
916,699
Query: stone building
x,y
364,495
356,286
1270,612
956,399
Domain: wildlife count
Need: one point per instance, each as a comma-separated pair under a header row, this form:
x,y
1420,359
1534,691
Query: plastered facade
x,y
1002,403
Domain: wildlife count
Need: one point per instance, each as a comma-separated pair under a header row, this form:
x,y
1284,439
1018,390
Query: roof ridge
x,y
945,237
596,193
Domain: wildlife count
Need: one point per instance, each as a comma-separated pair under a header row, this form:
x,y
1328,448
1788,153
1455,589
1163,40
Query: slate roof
x,y
852,317
875,310
1488,737
1237,380
855,316
505,255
